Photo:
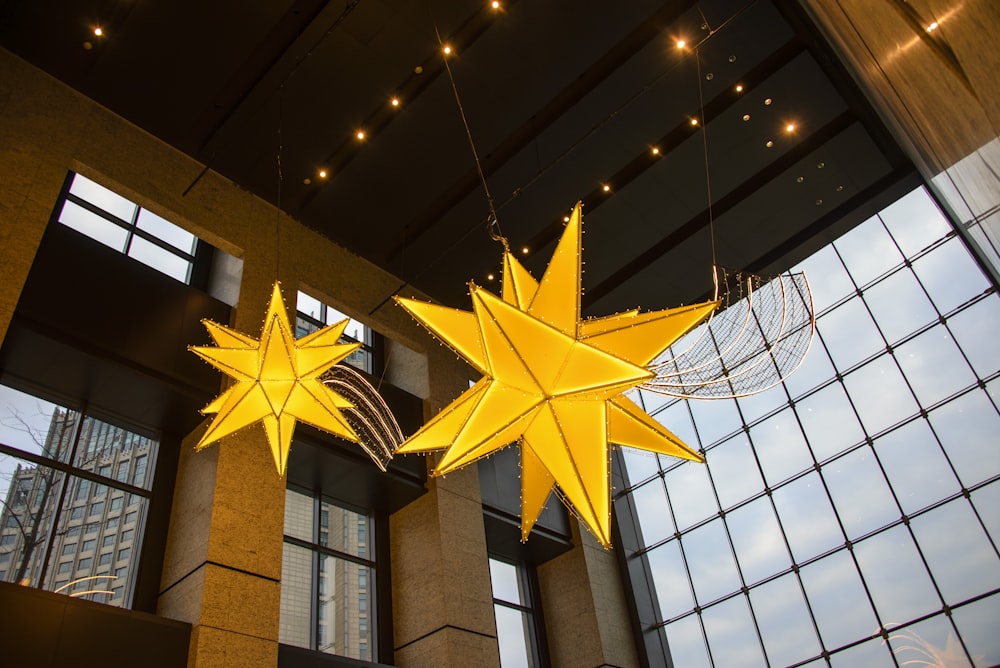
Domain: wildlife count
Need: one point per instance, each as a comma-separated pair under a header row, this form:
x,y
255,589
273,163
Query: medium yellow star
x,y
552,381
277,380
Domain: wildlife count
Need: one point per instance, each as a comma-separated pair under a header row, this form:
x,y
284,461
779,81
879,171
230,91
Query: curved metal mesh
x,y
758,338
378,432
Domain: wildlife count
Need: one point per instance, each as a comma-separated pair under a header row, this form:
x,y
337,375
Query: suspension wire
x,y
492,222
704,145
277,215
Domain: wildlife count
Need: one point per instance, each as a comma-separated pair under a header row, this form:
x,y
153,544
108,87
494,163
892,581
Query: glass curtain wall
x,y
850,516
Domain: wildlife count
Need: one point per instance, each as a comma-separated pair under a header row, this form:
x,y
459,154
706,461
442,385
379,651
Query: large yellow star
x,y
277,380
552,381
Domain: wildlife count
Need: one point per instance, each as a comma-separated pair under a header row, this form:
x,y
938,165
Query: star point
x,y
551,382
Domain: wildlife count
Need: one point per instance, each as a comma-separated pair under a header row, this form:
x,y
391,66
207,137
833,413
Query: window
x,y
327,587
515,617
312,314
122,473
105,559
116,503
109,218
52,452
822,520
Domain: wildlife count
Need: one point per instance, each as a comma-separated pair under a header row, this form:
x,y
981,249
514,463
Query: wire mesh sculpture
x,y
757,338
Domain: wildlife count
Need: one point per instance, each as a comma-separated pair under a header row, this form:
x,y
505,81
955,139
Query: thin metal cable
x,y
704,144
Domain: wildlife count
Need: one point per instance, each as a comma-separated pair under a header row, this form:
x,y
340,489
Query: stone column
x,y
584,607
222,568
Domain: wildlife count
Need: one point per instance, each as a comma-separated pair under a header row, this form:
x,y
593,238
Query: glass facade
x,y
312,314
327,578
849,516
77,494
514,614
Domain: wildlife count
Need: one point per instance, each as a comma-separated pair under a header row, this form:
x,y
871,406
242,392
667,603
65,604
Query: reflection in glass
x,y
513,637
879,394
915,466
896,576
915,221
987,502
505,581
298,515
670,582
872,654
860,493
710,562
957,550
296,587
784,621
760,548
934,366
933,639
805,513
732,639
838,600
967,428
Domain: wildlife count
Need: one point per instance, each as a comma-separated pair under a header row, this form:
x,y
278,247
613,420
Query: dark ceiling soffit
x,y
722,205
262,60
597,72
431,67
676,136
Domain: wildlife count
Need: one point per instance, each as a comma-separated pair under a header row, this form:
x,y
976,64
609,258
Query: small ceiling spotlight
x,y
495,4
394,102
524,250
746,117
767,101
606,188
490,276
446,49
739,88
565,219
307,181
655,150
681,44
790,127
769,143
694,121
98,31
323,174
360,134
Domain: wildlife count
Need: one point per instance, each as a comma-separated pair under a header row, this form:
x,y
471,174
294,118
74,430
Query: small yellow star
x,y
277,380
553,382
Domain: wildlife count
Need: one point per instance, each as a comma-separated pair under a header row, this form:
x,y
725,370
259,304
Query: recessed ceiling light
x,y
769,143
490,276
819,202
322,174
655,150
767,102
307,180
746,117
790,127
694,121
739,88
394,102
360,135
565,219
524,250
681,44
606,188
800,179
98,31
495,4
446,49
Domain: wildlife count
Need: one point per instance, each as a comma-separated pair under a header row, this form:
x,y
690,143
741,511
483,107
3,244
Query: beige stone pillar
x,y
222,567
584,607
442,602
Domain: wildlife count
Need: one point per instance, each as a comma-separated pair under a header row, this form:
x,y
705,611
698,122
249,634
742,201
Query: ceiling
x,y
559,97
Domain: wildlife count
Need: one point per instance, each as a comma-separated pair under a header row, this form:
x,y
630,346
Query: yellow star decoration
x,y
552,381
277,380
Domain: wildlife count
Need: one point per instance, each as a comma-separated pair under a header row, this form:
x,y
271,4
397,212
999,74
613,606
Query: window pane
x,y
781,447
805,513
828,280
934,366
784,621
102,198
35,426
977,622
513,635
868,251
653,512
714,419
760,548
677,418
296,588
160,259
691,494
949,275
506,583
28,519
899,305
710,561
957,550
838,600
896,576
860,493
762,403
734,470
687,643
814,370
879,394
968,428
348,530
97,228
987,502
731,635
934,637
639,464
342,603
166,231
974,330
670,582
916,466
829,421
871,654
915,221
298,515
849,334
